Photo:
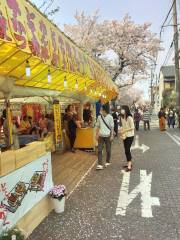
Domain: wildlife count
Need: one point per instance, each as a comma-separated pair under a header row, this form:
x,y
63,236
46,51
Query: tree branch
x,y
128,84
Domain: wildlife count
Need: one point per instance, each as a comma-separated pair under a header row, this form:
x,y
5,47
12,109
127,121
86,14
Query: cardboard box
x,y
7,162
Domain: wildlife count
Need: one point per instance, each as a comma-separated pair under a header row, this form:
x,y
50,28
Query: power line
x,y
167,17
169,21
162,27
168,55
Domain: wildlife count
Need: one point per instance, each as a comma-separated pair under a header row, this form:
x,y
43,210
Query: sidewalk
x,y
68,169
91,210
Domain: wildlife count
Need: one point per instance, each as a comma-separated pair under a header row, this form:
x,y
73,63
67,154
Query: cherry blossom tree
x,y
131,47
130,96
84,33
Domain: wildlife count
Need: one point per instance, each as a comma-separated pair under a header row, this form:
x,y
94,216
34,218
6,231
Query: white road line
x,y
173,138
77,185
178,138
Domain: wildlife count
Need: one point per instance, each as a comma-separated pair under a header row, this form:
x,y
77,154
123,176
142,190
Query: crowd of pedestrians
x,y
122,123
169,117
119,123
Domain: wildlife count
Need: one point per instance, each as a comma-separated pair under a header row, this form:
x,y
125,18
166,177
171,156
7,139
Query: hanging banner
x,y
57,122
22,189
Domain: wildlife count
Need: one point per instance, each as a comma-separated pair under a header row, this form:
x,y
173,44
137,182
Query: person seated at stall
x,y
15,131
43,125
25,125
34,128
30,119
87,114
50,122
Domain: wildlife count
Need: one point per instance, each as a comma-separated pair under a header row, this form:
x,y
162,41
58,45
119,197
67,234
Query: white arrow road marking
x,y
144,188
173,138
143,147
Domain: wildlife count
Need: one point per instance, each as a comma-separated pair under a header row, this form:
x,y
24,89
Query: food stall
x,y
38,60
87,131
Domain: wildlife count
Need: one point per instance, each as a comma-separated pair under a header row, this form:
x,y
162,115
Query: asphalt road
x,y
153,194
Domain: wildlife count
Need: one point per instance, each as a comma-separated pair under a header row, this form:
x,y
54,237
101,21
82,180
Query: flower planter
x,y
59,205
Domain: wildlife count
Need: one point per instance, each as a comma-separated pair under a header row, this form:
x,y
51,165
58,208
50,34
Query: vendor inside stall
x,y
87,114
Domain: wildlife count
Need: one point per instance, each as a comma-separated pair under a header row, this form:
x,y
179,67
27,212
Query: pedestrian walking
x,y
104,135
137,119
162,119
115,118
146,119
171,118
127,134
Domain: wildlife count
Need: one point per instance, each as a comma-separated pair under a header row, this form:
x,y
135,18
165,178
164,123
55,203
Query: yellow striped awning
x,y
27,38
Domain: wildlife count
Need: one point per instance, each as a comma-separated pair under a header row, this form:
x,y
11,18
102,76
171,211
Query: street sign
x,y
143,147
144,188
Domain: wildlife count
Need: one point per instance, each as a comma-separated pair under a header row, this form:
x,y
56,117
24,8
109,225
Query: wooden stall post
x,y
9,122
81,110
57,123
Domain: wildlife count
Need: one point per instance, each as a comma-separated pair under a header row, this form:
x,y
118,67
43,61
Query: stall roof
x,y
27,38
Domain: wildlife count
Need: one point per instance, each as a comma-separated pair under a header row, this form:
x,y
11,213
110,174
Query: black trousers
x,y
116,128
127,147
146,124
137,125
72,138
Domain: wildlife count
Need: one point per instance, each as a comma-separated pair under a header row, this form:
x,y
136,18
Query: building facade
x,y
165,85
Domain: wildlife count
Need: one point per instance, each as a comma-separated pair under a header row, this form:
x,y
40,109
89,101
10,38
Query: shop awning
x,y
27,38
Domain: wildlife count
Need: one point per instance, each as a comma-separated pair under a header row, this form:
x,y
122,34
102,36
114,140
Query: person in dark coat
x,y
137,119
72,126
115,118
171,118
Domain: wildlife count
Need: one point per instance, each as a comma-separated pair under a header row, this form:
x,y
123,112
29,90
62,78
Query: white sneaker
x,y
99,167
107,164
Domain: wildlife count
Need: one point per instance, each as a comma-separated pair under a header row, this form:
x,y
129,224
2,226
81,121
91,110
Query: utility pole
x,y
151,86
176,50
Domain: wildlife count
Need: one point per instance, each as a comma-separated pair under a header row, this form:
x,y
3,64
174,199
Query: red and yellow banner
x,y
24,26
57,122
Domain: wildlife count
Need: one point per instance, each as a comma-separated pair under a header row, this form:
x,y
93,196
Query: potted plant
x,y
12,234
58,193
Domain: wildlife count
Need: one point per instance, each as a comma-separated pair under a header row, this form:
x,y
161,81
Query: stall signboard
x,y
22,189
23,26
57,122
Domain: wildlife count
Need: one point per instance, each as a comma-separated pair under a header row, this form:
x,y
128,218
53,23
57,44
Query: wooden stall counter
x,y
14,159
85,138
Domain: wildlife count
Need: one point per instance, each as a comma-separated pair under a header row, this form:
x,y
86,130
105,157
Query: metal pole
x,y
176,50
151,86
